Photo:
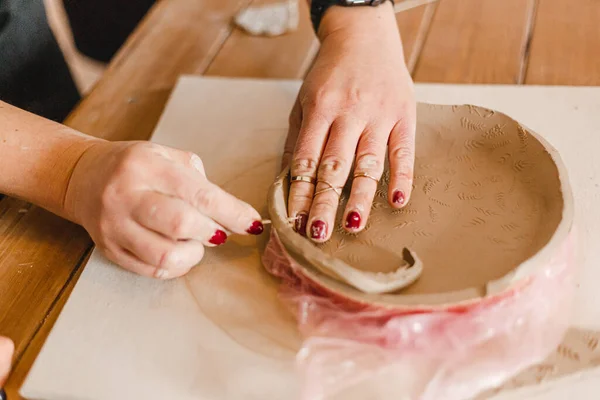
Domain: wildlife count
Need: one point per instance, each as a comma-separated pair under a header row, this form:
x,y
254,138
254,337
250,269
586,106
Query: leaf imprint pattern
x,y
474,126
481,188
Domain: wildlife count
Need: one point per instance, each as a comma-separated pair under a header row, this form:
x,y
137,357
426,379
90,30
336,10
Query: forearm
x,y
37,157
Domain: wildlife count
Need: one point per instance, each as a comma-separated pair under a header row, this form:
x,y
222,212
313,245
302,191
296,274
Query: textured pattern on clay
x,y
486,198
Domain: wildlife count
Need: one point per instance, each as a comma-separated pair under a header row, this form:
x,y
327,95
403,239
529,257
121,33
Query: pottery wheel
x,y
487,196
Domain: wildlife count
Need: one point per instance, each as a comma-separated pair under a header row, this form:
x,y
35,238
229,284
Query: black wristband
x,y
318,8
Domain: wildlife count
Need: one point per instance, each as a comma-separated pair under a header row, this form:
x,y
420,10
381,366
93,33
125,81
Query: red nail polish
x,y
318,230
353,220
398,197
256,228
218,238
300,224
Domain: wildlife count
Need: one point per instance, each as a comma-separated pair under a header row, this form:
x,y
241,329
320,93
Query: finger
x,y
295,121
311,141
210,200
169,257
130,262
334,169
174,218
370,159
7,349
402,159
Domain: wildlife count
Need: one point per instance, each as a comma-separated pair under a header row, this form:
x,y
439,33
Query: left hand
x,y
355,102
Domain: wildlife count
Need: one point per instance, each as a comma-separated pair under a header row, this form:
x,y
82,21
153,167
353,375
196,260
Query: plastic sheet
x,y
452,354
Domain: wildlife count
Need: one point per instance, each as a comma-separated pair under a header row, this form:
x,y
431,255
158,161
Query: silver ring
x,y
303,178
365,175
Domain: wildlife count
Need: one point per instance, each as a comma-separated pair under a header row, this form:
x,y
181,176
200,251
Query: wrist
x,y
62,162
358,21
80,184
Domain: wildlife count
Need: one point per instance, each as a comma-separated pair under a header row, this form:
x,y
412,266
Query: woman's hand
x,y
7,349
151,209
356,100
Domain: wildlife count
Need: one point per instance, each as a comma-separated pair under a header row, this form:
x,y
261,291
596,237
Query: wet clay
x,y
488,196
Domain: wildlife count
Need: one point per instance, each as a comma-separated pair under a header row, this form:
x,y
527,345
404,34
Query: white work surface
x,y
221,333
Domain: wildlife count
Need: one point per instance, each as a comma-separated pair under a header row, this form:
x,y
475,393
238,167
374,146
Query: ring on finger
x,y
303,178
337,190
365,175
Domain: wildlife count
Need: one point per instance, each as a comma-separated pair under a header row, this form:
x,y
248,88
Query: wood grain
x,y
25,362
177,37
565,46
36,260
414,25
282,57
475,41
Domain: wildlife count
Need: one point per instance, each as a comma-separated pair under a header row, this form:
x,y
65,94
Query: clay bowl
x,y
491,204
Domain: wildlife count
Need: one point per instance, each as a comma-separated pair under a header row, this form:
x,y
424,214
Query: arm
x,y
38,158
147,207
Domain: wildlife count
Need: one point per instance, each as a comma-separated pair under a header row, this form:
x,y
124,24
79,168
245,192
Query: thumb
x,y
7,349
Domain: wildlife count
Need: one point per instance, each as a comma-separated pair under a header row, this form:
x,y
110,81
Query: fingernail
x,y
318,229
218,238
353,220
197,163
398,197
161,273
256,228
300,224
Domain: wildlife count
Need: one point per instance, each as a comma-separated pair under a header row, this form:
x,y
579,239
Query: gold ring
x,y
303,178
337,190
365,175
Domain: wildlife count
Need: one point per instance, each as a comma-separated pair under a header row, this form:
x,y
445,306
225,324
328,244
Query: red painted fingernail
x,y
353,220
318,230
256,228
300,224
218,238
398,197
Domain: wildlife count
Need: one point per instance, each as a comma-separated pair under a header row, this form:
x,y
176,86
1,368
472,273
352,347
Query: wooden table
x,y
543,42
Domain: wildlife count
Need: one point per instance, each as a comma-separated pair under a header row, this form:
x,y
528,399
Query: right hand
x,y
151,209
7,349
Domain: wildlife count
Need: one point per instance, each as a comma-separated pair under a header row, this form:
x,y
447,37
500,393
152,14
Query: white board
x,y
220,332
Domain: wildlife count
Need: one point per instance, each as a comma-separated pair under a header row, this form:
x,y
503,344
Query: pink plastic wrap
x,y
452,354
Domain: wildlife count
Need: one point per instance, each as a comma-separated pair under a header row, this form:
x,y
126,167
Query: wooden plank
x,y
476,41
284,57
24,364
566,44
414,25
177,36
35,263
290,55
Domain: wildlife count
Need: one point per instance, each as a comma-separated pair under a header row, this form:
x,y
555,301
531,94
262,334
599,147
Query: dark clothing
x,y
33,73
100,27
